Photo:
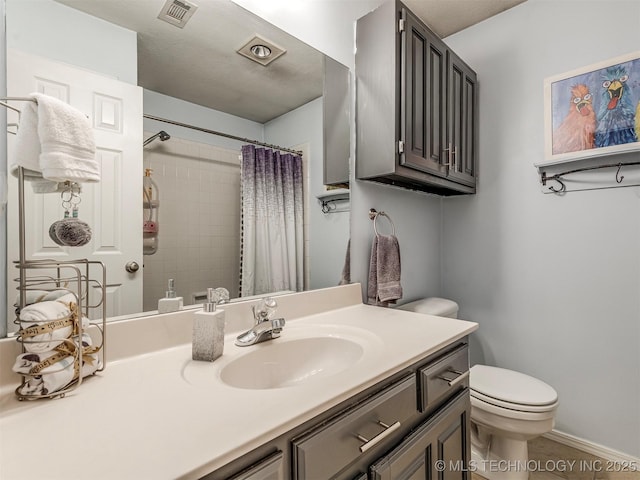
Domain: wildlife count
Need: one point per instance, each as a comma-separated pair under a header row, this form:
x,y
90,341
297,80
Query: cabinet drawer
x,y
443,439
344,438
443,378
271,468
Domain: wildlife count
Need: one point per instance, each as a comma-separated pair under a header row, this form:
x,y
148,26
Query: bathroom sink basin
x,y
299,356
288,363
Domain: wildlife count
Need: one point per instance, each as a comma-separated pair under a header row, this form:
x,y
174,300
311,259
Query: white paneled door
x,y
112,207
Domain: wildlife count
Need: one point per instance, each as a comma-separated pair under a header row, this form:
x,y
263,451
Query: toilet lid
x,y
511,387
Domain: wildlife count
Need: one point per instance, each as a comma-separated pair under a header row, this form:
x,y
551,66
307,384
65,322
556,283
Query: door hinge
x,y
400,146
401,25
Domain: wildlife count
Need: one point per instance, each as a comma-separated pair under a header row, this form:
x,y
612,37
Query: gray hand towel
x,y
345,279
384,285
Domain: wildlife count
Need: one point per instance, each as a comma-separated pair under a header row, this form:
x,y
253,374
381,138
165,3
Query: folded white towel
x,y
51,371
27,150
67,143
62,143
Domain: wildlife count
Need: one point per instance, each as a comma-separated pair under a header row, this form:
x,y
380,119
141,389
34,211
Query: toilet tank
x,y
441,307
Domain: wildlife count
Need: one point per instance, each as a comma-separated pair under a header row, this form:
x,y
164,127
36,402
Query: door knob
x,y
132,267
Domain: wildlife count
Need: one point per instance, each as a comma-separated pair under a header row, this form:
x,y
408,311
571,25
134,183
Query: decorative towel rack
x,y
559,177
73,276
329,200
374,214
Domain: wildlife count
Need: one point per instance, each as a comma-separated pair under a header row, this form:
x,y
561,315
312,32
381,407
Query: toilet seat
x,y
513,407
511,390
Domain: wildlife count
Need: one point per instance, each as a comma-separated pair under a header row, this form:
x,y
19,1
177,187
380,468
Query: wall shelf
x,y
589,174
329,200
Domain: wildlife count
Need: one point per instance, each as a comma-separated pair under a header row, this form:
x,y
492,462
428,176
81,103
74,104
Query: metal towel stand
x,y
73,272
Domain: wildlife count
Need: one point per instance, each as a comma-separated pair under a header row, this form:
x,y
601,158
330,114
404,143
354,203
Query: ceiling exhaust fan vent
x,y
177,12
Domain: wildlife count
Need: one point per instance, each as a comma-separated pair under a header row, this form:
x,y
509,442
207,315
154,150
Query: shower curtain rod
x,y
221,134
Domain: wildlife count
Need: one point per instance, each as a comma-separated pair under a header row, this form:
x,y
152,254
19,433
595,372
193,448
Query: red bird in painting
x,y
576,132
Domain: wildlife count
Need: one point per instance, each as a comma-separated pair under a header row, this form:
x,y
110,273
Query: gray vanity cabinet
x,y
416,118
270,468
436,449
395,429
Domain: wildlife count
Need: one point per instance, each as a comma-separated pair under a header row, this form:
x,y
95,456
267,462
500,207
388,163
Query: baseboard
x,y
592,448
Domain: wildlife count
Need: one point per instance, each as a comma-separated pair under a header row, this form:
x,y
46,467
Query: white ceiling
x,y
199,63
446,17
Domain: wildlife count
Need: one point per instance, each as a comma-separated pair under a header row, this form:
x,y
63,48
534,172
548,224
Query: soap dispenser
x,y
208,327
170,303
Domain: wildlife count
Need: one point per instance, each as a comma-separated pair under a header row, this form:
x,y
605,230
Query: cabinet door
x,y
423,104
336,105
461,120
271,468
330,448
438,449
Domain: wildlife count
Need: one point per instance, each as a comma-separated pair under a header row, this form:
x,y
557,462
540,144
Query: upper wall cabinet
x,y
336,108
416,106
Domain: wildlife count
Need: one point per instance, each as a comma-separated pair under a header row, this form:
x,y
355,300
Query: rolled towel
x,y
45,325
63,144
35,296
48,372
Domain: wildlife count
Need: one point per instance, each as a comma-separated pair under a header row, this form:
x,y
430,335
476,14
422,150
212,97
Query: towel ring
x,y
374,214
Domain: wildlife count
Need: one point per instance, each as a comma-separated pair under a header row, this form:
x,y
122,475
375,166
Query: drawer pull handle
x,y
388,429
454,381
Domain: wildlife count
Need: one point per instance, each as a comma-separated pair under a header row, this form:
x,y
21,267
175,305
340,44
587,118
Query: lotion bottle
x,y
208,329
170,303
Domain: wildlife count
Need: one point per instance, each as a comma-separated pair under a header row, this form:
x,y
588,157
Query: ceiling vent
x,y
261,50
177,12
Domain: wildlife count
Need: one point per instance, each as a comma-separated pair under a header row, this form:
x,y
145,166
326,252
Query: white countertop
x,y
140,418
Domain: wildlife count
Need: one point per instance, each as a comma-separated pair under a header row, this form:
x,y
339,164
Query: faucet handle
x,y
267,307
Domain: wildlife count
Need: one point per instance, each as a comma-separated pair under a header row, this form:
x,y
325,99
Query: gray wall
x,y
55,31
553,281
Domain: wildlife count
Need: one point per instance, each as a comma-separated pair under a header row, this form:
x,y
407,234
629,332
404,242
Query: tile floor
x,y
554,461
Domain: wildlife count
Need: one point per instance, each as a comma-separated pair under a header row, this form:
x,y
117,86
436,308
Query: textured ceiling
x,y
199,63
446,17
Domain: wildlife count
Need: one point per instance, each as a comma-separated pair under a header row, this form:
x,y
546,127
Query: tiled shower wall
x,y
199,219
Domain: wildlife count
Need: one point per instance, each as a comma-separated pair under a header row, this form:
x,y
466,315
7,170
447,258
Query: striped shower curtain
x,y
272,222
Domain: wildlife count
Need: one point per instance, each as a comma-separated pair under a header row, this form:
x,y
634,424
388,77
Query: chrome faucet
x,y
266,328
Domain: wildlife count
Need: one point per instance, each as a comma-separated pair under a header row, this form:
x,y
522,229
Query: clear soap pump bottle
x,y
171,302
208,327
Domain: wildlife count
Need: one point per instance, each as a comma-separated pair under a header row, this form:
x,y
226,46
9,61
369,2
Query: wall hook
x,y
619,177
563,187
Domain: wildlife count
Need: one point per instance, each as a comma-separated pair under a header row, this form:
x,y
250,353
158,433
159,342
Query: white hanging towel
x,y
54,144
27,150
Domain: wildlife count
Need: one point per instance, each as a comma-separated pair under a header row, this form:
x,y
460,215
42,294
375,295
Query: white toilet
x,y
507,409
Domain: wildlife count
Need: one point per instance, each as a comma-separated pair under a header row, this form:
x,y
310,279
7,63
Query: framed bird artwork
x,y
593,111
